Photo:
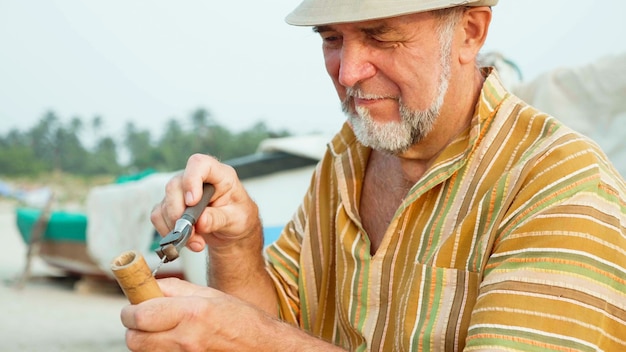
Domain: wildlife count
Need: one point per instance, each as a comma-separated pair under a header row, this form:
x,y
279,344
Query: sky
x,y
149,61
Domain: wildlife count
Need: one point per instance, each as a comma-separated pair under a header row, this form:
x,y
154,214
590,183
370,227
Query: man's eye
x,y
383,43
331,40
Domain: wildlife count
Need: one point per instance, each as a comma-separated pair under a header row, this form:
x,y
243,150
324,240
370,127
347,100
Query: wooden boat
x,y
59,238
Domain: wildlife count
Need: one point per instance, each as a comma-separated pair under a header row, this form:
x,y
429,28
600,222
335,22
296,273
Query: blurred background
x,y
149,61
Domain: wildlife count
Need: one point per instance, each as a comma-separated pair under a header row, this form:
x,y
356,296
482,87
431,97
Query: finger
x,y
198,171
173,204
159,220
231,221
196,243
140,341
165,213
154,315
202,169
231,213
174,287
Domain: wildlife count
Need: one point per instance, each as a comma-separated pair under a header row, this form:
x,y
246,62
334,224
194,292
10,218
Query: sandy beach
x,y
52,312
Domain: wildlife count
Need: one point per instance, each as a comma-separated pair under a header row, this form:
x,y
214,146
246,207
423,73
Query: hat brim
x,y
322,12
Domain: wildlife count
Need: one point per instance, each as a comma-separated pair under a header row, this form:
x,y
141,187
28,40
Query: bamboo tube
x,y
134,277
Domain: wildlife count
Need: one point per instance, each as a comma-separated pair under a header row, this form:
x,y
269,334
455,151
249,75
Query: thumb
x,y
172,286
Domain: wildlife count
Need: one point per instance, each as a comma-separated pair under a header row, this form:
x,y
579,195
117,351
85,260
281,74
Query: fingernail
x,y
189,198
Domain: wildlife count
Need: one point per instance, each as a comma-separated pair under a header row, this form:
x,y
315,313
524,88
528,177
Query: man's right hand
x,y
230,226
231,216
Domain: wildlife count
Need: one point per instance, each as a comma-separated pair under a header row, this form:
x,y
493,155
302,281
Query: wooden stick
x,y
37,234
134,277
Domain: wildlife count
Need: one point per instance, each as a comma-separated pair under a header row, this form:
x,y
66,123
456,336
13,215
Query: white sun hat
x,y
321,12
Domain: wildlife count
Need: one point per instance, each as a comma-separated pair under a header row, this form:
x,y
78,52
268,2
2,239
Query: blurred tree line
x,y
52,146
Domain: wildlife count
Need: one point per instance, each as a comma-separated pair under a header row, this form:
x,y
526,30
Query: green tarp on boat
x,y
62,226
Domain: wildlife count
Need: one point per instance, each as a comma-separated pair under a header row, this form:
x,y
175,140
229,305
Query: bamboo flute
x,y
134,277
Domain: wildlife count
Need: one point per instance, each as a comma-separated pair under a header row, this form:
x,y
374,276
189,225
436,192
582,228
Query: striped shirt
x,y
515,239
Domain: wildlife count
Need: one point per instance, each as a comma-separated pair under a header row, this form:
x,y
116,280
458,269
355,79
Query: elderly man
x,y
446,215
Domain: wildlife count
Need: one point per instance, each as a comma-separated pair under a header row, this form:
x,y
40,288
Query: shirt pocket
x,y
430,308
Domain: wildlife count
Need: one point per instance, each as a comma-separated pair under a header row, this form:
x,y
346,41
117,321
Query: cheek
x,y
332,62
333,65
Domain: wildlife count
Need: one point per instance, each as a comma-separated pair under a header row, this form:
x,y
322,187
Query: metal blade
x,y
159,266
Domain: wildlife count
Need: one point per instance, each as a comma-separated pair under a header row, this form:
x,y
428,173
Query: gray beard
x,y
397,137
392,137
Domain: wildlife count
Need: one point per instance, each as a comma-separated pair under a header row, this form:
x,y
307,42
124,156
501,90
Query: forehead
x,y
398,24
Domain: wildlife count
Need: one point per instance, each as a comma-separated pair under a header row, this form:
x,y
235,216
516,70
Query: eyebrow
x,y
380,29
320,29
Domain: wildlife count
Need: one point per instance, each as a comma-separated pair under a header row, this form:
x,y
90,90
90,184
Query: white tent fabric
x,y
119,220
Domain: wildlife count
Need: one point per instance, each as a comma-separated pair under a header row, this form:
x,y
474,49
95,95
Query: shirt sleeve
x,y
556,279
283,260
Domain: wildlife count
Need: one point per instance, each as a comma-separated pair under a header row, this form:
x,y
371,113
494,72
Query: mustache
x,y
347,104
357,92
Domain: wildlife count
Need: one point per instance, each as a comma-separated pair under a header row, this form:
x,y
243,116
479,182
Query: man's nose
x,y
355,65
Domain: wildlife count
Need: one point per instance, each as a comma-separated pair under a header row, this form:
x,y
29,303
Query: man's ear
x,y
475,24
